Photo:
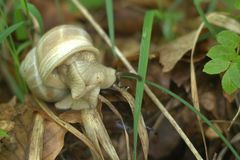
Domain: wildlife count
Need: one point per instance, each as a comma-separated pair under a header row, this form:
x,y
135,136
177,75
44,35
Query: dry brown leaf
x,y
71,116
171,53
16,147
7,125
222,20
7,110
53,140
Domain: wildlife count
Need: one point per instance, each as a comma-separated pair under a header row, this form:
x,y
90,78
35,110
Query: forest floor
x,y
173,39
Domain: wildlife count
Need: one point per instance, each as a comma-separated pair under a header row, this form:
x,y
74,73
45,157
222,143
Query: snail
x,y
65,68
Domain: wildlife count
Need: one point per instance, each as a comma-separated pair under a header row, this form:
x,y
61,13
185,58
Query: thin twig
x,y
194,90
127,64
234,118
115,111
36,142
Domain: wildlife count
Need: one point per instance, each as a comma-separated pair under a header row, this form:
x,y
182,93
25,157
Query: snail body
x,y
64,68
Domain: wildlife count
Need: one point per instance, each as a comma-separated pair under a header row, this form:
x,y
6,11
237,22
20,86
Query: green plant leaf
x,y
35,12
169,21
22,46
22,33
3,133
1,3
234,72
25,7
18,16
228,86
228,38
197,4
237,59
216,66
92,4
222,52
142,71
237,4
9,30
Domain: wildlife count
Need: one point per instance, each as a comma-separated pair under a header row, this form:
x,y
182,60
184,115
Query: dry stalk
x,y
36,141
115,111
194,90
69,128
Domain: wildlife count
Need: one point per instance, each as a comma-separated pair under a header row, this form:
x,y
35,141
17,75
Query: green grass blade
x,y
12,83
212,6
1,3
197,4
35,12
142,71
18,87
25,7
18,16
110,18
9,30
22,46
193,109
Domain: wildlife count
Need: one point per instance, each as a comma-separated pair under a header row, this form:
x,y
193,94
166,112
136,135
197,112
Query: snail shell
x,y
65,62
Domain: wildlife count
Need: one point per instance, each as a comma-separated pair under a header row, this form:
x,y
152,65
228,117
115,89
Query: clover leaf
x,y
234,72
225,58
222,52
228,86
228,38
216,66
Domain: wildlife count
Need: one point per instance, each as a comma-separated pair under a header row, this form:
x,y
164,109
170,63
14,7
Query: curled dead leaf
x,y
53,140
171,53
16,148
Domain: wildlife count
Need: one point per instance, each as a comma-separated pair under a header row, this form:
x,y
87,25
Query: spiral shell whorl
x,y
29,70
59,44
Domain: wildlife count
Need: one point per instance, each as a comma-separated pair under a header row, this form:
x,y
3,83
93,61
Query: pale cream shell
x,y
56,46
29,71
